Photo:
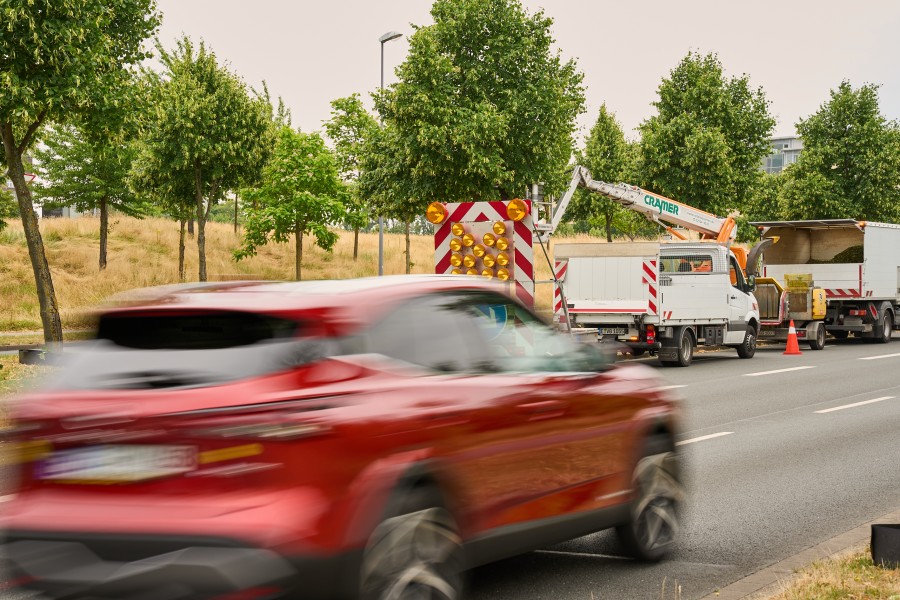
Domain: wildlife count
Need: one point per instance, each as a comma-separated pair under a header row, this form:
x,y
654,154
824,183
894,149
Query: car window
x,y
435,332
520,342
166,351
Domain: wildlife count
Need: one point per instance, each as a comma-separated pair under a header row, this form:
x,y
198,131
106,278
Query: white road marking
x,y
703,438
828,410
878,357
670,387
777,371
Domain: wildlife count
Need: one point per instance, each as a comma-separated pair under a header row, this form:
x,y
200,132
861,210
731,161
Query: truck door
x,y
738,303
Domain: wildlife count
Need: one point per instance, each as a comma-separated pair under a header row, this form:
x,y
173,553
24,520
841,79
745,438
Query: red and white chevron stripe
x,y
519,233
650,280
843,293
561,268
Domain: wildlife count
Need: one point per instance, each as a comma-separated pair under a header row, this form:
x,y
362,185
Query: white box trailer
x,y
857,263
661,298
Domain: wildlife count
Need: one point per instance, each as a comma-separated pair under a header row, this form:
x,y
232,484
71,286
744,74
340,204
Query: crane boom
x,y
655,207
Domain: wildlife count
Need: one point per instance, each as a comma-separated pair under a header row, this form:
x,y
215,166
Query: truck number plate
x,y
117,463
613,330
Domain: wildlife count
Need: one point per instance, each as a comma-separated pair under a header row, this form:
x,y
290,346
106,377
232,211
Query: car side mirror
x,y
751,283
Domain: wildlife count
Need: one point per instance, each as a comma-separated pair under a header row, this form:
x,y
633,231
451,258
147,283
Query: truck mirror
x,y
751,282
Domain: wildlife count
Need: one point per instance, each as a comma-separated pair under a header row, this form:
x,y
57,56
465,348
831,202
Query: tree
x,y
850,164
605,156
298,196
8,207
89,174
705,145
349,128
483,107
206,127
61,59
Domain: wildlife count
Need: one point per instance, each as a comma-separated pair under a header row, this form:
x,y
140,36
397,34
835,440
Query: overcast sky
x,y
310,52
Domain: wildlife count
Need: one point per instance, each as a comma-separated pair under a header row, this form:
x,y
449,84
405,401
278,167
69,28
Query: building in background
x,y
785,151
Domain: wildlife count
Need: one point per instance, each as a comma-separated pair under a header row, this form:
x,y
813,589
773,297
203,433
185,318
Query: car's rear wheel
x,y
748,347
653,528
887,328
818,340
414,554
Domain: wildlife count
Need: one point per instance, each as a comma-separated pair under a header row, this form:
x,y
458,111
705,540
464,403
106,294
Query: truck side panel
x,y
607,283
882,262
838,280
694,298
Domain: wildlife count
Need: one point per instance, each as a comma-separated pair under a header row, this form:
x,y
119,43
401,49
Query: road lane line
x,y
828,410
882,356
703,438
777,371
671,387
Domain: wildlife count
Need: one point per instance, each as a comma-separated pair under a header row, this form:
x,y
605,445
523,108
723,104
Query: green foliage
x,y
762,206
298,195
77,171
605,155
8,207
483,108
351,126
850,164
706,143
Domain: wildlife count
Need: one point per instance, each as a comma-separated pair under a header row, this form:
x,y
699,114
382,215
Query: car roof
x,y
351,300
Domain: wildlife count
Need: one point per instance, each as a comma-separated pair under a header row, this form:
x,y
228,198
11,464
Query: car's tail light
x,y
651,334
856,312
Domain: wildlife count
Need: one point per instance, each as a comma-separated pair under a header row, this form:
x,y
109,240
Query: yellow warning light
x,y
489,239
456,259
436,213
472,272
469,260
503,274
456,272
489,273
503,259
516,210
455,244
502,243
489,260
478,250
468,240
457,229
499,227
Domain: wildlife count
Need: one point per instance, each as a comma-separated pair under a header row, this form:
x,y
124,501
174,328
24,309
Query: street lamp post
x,y
390,35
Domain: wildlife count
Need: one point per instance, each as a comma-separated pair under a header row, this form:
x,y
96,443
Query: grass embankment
x,y
145,253
850,577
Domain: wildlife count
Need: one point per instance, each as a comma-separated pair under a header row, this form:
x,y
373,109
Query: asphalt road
x,y
801,448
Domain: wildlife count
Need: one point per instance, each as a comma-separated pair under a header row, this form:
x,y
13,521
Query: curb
x,y
773,579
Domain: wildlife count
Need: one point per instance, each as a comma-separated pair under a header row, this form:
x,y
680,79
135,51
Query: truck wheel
x,y
887,327
653,527
685,347
748,347
818,341
416,553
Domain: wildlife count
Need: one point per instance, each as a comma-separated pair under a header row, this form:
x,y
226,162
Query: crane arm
x,y
655,207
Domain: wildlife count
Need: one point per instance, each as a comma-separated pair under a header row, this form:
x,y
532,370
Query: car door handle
x,y
734,297
544,409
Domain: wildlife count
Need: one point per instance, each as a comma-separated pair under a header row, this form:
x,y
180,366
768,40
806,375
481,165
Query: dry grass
x,y
851,577
145,253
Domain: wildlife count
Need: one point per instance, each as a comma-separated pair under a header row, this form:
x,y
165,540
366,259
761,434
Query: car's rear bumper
x,y
154,567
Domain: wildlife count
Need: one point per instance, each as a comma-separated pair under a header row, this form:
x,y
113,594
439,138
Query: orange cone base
x,y
793,347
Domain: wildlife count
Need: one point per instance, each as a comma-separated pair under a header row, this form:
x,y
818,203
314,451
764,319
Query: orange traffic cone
x,y
792,346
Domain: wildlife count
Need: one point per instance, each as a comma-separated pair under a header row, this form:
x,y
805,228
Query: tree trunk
x,y
408,259
42,277
104,230
190,227
235,213
181,250
355,243
298,251
608,227
201,222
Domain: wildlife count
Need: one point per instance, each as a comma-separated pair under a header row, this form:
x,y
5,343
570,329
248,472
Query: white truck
x,y
856,263
665,298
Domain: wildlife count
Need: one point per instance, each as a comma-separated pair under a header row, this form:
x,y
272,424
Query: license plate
x,y
613,330
117,463
766,333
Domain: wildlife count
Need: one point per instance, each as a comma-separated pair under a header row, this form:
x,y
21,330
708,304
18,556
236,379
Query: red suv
x,y
364,438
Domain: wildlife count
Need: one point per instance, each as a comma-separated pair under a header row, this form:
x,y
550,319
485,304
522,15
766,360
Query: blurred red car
x,y
363,438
